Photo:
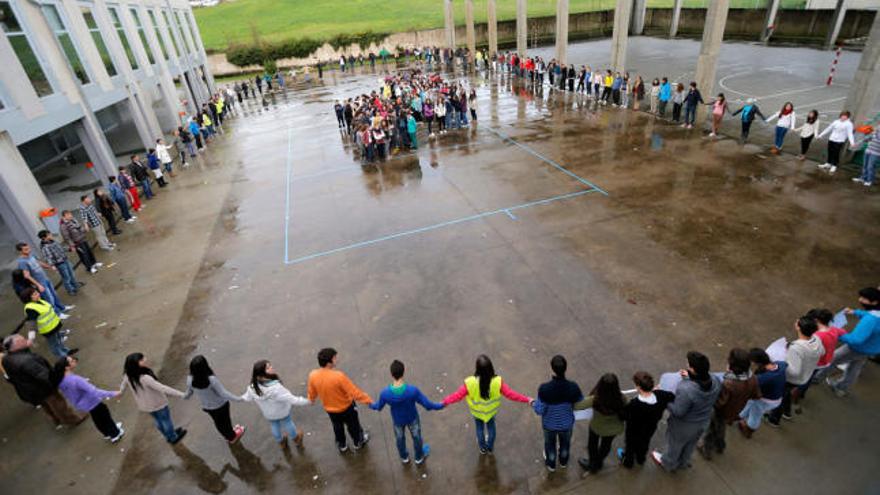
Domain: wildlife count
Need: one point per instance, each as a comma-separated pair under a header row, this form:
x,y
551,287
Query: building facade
x,y
84,83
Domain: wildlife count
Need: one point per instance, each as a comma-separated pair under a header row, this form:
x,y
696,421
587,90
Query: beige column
x,y
449,24
865,88
620,37
522,28
469,29
770,20
707,63
561,31
836,24
676,17
493,27
21,197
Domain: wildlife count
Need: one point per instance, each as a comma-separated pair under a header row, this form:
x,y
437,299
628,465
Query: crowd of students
x,y
698,405
386,121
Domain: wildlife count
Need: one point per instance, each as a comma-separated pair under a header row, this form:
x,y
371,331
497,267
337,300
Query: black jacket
x,y
30,374
138,171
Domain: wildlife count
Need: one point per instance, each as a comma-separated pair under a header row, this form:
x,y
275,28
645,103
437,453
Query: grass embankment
x,y
237,21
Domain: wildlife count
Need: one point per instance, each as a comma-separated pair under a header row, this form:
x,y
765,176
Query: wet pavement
x,y
497,239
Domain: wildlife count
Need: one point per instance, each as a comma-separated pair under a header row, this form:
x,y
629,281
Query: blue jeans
x,y
56,343
148,191
780,136
191,147
286,423
464,119
162,417
551,440
449,119
485,443
869,167
67,277
754,411
123,208
690,114
415,430
50,296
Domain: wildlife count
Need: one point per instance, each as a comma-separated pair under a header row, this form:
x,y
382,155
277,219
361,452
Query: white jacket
x,y
808,129
786,121
274,400
841,131
162,153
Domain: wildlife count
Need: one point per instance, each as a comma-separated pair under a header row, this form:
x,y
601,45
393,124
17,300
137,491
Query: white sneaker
x,y
131,220
63,316
99,264
121,432
712,134
832,169
94,270
69,307
868,184
824,165
858,179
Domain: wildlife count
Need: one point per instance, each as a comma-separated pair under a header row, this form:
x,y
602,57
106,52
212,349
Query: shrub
x,y
260,52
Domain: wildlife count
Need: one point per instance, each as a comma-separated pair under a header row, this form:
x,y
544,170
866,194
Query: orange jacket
x,y
335,389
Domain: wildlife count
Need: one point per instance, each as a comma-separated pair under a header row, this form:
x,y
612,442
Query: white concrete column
x,y
522,28
21,197
676,17
471,35
561,31
90,134
620,37
770,20
136,107
707,63
865,88
836,24
449,24
212,86
492,27
166,82
640,9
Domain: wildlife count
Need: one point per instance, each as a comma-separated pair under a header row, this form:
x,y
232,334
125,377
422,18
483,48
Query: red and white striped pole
x,y
834,65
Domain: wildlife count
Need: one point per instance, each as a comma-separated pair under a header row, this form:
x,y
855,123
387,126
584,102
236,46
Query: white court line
x,y
794,91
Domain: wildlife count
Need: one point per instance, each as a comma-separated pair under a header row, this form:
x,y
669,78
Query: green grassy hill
x,y
239,21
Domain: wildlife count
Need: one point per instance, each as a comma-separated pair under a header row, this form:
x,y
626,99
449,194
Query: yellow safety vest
x,y
483,409
47,319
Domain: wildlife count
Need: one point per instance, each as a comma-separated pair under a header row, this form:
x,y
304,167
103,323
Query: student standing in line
x,y
608,405
33,271
137,170
802,357
87,398
428,114
677,101
402,397
156,167
616,84
872,156
483,391
213,397
105,205
88,214
555,405
738,388
664,96
840,131
118,194
655,95
338,395
440,111
829,336
808,131
275,401
691,100
689,413
472,105
642,414
719,108
40,317
608,82
771,381
55,255
411,128
786,120
749,111
151,396
638,93
625,90
860,344
597,84
75,236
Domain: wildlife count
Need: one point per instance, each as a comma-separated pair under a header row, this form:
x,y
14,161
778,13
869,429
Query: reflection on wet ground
x,y
700,244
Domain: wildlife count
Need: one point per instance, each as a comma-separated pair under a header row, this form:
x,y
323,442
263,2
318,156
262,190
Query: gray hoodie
x,y
802,357
692,403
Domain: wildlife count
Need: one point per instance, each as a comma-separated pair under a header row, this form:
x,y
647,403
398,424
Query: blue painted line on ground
x,y
287,195
511,215
548,160
440,225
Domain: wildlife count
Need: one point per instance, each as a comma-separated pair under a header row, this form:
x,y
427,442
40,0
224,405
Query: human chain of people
x,y
699,405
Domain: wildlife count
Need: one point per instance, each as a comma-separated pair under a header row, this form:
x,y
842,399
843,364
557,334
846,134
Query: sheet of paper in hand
x,y
583,414
670,381
839,320
777,349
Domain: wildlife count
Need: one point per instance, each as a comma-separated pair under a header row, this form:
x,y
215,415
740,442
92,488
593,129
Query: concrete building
x,y
85,82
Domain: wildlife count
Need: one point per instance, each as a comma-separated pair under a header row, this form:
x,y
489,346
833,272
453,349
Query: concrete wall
x,y
809,26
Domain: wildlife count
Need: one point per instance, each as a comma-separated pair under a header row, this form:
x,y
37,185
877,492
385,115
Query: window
x,y
54,20
186,41
120,30
98,38
170,33
158,34
189,24
140,28
23,50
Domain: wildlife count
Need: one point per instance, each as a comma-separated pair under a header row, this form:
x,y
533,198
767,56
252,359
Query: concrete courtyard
x,y
551,226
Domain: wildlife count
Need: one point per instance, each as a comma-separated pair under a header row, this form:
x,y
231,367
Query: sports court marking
x,y
508,210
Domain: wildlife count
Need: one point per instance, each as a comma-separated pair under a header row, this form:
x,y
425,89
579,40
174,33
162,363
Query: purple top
x,y
81,394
